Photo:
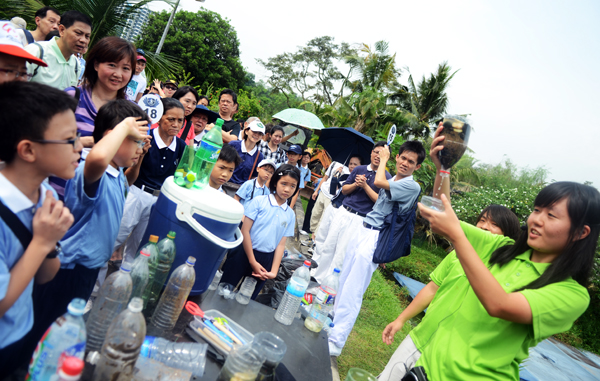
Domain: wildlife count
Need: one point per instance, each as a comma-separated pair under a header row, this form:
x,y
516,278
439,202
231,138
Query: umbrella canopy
x,y
300,118
340,143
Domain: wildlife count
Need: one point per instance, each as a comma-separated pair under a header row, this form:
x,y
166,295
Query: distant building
x,y
135,23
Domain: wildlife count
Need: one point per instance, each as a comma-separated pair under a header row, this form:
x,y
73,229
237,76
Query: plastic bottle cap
x,y
136,305
153,238
145,253
72,366
171,235
191,261
126,267
76,307
336,270
93,357
307,263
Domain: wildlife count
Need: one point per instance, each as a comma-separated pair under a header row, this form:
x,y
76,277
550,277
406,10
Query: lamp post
x,y
162,39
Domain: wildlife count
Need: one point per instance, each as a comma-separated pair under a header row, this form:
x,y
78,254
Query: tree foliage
x,y
375,68
311,71
206,44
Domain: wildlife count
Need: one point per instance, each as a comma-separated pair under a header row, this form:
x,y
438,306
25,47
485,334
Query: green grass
x,y
420,263
382,303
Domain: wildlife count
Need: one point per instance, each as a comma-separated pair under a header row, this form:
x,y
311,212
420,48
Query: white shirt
x,y
330,172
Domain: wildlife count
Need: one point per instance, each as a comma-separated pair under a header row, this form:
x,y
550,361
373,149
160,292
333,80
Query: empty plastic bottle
x,y
184,356
151,247
207,154
112,298
66,333
323,302
328,326
215,282
140,274
71,369
122,345
173,298
294,293
159,266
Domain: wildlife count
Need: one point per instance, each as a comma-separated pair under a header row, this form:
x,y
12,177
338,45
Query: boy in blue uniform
x,y
294,155
39,139
358,262
304,170
223,170
96,197
258,186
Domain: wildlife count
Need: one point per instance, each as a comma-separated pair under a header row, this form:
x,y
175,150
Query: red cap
x,y
12,44
307,263
72,366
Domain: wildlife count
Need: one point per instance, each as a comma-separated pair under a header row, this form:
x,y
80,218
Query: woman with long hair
x,y
494,297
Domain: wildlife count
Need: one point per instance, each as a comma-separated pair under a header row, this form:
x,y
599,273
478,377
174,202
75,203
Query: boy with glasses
x,y
32,220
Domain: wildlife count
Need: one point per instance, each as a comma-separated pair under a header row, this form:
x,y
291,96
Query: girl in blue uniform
x,y
269,220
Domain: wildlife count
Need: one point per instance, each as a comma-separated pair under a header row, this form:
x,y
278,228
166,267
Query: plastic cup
x,y
226,290
356,374
215,282
273,348
246,290
433,203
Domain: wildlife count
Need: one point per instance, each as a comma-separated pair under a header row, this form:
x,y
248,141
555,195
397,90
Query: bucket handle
x,y
184,213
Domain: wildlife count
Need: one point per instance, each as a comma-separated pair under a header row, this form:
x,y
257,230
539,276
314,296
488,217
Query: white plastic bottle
x,y
140,274
185,356
323,302
176,293
122,345
66,333
294,293
112,298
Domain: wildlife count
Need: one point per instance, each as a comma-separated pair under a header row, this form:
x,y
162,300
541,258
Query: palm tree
x,y
426,102
375,68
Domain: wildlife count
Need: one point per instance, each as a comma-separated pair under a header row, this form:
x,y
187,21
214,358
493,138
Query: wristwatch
x,y
54,253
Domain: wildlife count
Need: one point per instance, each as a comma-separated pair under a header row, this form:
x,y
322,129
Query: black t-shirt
x,y
232,127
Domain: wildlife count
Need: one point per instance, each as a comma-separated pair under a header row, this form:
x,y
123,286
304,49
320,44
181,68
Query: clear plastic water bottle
x,y
122,345
66,333
323,302
173,299
328,326
215,282
140,274
71,369
159,266
151,247
207,154
112,298
184,356
293,295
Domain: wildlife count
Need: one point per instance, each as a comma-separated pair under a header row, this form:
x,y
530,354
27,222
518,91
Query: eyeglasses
x,y
72,142
16,74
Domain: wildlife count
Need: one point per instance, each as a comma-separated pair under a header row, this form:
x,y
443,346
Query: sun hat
x,y
202,109
10,43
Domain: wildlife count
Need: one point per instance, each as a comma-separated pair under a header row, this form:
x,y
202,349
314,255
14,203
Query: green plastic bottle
x,y
207,154
159,266
150,247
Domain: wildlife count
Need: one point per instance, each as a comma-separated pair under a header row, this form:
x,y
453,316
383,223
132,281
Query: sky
x,y
528,70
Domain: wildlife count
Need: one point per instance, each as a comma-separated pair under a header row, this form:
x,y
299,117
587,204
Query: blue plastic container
x,y
206,223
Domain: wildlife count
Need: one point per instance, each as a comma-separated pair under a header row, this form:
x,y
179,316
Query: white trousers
x,y
321,232
354,280
403,359
321,204
134,222
342,229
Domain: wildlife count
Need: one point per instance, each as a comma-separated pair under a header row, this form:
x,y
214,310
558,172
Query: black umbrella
x,y
342,142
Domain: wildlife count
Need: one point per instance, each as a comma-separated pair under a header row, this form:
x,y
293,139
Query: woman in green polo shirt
x,y
495,297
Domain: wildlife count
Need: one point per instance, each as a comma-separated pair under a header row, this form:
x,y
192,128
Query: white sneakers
x,y
334,350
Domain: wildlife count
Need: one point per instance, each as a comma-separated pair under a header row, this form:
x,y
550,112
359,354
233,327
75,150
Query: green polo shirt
x,y
459,340
60,73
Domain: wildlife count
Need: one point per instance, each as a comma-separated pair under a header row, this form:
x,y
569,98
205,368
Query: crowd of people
x,y
80,157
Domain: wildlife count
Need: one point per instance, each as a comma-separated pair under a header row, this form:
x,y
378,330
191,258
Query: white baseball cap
x,y
10,43
256,126
264,162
